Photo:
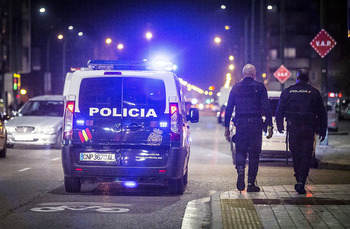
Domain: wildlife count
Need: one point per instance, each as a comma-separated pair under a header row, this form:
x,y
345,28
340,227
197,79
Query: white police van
x,y
125,123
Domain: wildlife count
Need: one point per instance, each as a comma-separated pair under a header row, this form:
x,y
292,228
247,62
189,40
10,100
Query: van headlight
x,y
46,130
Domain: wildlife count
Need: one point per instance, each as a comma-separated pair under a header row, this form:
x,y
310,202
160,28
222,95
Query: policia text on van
x,y
128,126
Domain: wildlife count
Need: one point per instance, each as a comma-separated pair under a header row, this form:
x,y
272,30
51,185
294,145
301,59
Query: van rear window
x,y
110,92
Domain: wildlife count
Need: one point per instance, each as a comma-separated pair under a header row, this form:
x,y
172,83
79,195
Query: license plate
x,y
23,138
109,157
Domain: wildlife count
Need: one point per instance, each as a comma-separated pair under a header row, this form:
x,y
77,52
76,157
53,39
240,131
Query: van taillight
x,y
174,122
68,120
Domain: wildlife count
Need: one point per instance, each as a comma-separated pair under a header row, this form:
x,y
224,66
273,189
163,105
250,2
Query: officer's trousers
x,y
301,144
248,141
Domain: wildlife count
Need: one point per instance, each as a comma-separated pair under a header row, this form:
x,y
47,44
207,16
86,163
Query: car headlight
x,y
10,129
46,130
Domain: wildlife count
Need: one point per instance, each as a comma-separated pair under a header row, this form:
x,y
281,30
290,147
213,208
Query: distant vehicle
x,y
222,101
278,140
332,116
39,122
344,104
126,123
3,132
333,111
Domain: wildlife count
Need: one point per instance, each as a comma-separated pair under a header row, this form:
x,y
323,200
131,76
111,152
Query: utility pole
x,y
252,34
324,69
262,39
282,33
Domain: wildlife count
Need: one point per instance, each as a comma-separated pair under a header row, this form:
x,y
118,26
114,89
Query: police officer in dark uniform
x,y
249,98
305,113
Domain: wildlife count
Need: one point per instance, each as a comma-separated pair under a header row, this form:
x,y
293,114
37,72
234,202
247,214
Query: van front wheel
x,y
72,184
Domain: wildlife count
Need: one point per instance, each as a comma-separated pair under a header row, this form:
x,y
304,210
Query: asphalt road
x,y
32,193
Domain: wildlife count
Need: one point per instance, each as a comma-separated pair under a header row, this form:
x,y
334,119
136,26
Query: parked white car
x,y
39,122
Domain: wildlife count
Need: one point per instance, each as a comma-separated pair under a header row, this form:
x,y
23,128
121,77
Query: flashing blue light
x,y
163,124
130,184
80,122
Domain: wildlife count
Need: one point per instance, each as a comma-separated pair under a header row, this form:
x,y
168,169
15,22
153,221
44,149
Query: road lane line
x,y
22,170
55,159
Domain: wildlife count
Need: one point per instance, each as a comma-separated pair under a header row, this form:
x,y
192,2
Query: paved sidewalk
x,y
323,206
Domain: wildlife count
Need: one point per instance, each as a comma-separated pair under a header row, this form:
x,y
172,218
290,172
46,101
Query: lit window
x,y
290,52
273,54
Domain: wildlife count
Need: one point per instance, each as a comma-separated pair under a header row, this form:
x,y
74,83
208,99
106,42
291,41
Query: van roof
x,y
48,98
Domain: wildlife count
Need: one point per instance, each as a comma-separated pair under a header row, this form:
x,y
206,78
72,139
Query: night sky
x,y
183,31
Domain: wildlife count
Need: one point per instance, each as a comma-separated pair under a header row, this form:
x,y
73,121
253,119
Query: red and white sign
x,y
282,74
323,43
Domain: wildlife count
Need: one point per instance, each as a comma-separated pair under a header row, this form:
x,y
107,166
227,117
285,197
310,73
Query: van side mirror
x,y
193,115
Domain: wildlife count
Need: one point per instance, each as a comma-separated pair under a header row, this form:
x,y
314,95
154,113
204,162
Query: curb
x,y
333,166
215,208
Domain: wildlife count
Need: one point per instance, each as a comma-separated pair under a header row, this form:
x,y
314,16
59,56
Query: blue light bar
x,y
118,65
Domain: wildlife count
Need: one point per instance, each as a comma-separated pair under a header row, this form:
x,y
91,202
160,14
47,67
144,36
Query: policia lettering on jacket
x,y
133,112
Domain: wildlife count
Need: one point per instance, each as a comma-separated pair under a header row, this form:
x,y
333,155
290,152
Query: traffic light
x,y
16,81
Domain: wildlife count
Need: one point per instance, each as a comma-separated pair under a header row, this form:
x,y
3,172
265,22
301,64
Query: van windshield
x,y
110,92
42,108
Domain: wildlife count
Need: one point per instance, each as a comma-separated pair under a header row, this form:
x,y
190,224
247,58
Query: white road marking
x,y
22,170
55,159
82,206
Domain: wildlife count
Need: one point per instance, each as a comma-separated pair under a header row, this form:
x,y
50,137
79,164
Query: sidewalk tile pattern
x,y
323,206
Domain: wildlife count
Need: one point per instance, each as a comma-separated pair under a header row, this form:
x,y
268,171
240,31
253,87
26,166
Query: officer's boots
x,y
240,179
251,185
300,186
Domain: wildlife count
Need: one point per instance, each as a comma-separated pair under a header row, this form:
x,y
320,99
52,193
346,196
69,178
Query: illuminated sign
x,y
133,112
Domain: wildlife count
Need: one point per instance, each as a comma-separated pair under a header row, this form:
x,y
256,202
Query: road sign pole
x,y
282,35
324,78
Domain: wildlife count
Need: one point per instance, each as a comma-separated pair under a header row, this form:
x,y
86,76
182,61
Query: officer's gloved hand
x,y
322,137
227,134
270,132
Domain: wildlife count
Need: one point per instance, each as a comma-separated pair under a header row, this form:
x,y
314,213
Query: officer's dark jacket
x,y
249,98
302,104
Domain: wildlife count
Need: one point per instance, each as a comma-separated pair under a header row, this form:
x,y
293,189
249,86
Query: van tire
x,y
72,184
186,177
3,152
177,186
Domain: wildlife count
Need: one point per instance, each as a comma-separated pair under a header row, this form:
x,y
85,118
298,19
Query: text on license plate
x,y
97,157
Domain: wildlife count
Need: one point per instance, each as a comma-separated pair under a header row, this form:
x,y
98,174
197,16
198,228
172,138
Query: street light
x,y
60,36
217,40
108,41
231,57
120,46
70,27
42,10
149,35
